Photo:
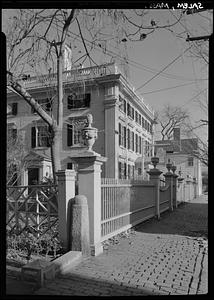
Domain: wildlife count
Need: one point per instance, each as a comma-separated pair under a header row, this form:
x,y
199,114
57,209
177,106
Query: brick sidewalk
x,y
166,257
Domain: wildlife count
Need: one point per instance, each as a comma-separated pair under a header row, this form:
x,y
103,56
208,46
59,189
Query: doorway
x,y
33,177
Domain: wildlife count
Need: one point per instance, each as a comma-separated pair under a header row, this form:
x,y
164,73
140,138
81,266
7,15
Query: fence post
x,y
188,187
66,191
155,179
89,182
169,181
175,176
180,184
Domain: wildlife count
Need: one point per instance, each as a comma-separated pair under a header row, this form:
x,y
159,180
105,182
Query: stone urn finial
x,y
89,133
174,169
155,161
90,120
169,166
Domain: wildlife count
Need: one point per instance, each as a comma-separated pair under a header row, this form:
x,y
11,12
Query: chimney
x,y
176,134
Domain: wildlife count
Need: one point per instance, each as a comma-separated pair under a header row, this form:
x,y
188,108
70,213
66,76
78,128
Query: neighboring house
x,y
180,152
123,120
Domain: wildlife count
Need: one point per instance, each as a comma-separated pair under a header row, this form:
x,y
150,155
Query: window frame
x,y
40,139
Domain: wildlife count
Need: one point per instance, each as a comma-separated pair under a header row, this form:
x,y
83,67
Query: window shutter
x,y
87,100
124,128
69,135
120,134
70,102
14,108
33,137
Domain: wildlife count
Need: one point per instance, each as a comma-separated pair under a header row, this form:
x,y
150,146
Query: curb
x,y
38,272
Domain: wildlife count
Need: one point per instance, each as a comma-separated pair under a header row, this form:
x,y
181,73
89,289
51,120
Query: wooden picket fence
x,y
122,206
32,209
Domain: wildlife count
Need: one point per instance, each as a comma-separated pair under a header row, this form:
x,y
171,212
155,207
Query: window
x,y
129,171
190,161
120,134
128,139
132,141
125,171
132,171
78,101
74,131
12,109
133,113
40,136
120,170
12,135
136,143
122,104
70,166
74,135
45,103
143,122
128,110
139,117
140,145
124,136
136,116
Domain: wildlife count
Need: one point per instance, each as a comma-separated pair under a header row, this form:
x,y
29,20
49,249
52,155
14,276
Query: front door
x,y
33,177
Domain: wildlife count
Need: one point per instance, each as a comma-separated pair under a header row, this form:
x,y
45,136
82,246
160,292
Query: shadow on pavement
x,y
79,285
190,219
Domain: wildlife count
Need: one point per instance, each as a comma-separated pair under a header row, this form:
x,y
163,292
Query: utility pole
x,y
210,40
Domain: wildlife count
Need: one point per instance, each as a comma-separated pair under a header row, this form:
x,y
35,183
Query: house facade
x,y
123,120
180,153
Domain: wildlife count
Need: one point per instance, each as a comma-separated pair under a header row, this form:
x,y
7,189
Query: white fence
x,y
124,203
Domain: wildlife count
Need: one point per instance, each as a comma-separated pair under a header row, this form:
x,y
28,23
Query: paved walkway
x,y
166,257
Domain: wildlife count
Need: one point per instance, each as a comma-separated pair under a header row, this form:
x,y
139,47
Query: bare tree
x,y
169,118
36,40
15,156
198,131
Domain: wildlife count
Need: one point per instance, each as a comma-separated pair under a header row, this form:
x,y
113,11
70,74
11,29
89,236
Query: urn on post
x,y
155,161
169,166
89,133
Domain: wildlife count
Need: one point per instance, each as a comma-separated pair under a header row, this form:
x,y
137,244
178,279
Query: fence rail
x,y
32,208
124,204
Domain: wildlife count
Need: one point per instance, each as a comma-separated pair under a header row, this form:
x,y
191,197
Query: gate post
x,y
169,181
66,191
181,185
155,179
89,182
175,176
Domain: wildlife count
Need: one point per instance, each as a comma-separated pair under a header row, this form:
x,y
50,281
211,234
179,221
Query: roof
x,y
183,146
37,156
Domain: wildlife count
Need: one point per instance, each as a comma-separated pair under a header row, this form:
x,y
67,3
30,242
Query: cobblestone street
x,y
166,257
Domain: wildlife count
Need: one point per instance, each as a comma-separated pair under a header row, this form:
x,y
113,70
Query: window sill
x,y
78,108
41,148
11,116
77,147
